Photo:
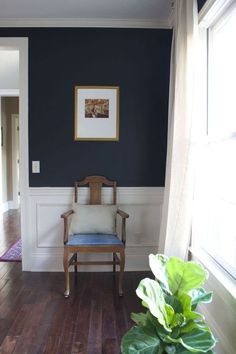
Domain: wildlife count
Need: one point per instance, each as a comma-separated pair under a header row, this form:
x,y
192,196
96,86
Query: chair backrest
x,y
95,184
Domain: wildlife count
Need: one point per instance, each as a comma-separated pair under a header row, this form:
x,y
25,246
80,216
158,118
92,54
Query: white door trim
x,y
21,44
15,148
1,137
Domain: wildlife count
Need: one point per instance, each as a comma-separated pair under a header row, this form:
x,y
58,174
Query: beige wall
x,y
4,150
9,106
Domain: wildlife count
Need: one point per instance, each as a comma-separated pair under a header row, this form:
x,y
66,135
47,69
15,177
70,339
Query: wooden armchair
x,y
79,239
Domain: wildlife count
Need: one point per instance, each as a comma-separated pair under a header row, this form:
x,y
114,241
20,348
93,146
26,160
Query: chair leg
x,y
76,258
114,264
66,271
122,266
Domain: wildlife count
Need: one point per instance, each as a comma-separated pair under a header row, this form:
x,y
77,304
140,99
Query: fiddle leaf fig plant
x,y
171,323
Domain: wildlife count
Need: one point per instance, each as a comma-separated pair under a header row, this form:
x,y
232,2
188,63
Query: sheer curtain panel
x,y
177,206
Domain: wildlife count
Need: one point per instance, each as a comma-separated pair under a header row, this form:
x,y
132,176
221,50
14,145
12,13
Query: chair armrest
x,y
66,216
123,227
122,214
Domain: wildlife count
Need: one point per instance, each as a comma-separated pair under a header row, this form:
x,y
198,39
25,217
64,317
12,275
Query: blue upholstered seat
x,y
94,239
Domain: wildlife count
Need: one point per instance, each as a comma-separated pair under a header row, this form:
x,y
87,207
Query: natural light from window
x,y
216,207
222,76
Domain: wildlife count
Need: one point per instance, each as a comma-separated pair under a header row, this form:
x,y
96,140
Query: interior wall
x,y
9,69
9,106
4,150
136,60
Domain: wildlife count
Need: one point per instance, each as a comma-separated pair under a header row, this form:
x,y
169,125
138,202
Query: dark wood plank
x,y
36,319
93,320
9,229
8,345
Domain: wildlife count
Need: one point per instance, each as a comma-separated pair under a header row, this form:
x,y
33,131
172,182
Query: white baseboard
x,y
43,246
12,205
4,207
7,206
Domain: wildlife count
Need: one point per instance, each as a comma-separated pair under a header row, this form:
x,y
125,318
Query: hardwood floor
x,y
9,229
35,318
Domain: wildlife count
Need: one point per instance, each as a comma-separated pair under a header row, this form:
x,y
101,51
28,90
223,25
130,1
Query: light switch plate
x,y
35,166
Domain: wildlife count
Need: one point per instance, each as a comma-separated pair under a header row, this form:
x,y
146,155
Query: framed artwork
x,y
97,113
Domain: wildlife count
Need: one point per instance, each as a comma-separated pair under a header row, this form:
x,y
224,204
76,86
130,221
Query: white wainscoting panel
x,y
44,241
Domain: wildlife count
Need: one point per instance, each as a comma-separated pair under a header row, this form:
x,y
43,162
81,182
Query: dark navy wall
x,y
200,4
137,61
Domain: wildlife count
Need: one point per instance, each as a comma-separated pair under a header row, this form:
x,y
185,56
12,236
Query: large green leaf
x,y
178,320
181,350
170,349
139,318
193,324
160,330
170,313
195,341
184,276
139,340
152,295
187,309
157,264
200,295
174,302
202,340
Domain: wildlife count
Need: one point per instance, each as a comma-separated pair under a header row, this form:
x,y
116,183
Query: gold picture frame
x,y
97,113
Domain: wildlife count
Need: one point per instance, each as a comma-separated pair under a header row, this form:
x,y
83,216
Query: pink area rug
x,y
13,254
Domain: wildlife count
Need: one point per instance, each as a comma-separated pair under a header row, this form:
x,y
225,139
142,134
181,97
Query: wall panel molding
x,y
45,227
125,195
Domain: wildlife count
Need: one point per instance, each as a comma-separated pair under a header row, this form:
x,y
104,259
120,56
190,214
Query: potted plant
x,y
171,324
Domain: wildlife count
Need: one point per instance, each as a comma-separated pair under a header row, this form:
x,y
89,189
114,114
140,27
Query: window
x,y
222,76
215,207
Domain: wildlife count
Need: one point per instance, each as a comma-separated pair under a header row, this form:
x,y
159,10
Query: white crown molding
x,y
172,14
85,22
171,19
211,11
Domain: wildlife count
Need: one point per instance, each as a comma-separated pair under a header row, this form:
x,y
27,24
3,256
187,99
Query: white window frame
x,y
211,137
208,17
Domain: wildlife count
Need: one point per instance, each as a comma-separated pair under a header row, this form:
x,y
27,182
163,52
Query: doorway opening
x,y
10,196
9,168
14,169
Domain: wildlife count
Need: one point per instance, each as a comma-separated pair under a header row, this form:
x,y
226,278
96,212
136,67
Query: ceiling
x,y
46,11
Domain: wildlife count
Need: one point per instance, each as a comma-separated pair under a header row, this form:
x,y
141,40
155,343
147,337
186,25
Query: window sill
x,y
222,276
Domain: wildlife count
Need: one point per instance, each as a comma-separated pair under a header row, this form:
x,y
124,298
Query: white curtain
x,y
177,206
